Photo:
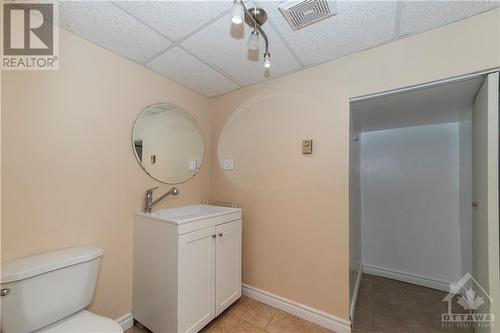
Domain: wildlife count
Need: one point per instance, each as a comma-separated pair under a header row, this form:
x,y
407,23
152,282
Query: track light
x,y
253,41
254,18
267,60
237,12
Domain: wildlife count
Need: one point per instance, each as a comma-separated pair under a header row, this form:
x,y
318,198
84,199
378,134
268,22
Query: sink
x,y
189,214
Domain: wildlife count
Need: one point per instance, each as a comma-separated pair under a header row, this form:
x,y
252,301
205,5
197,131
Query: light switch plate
x,y
228,165
193,165
307,146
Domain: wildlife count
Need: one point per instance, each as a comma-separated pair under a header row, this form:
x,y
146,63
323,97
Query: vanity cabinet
x,y
196,279
187,266
227,265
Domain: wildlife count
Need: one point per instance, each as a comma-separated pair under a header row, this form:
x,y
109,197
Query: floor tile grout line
x,y
248,321
272,318
268,322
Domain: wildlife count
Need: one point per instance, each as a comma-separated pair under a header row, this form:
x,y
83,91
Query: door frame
x,y
428,84
410,88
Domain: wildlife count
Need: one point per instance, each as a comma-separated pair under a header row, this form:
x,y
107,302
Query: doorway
x,y
423,181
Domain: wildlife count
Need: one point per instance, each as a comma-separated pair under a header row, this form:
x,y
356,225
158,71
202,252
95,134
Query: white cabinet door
x,y
228,265
196,279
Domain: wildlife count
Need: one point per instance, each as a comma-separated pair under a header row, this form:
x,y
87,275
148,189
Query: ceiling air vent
x,y
300,14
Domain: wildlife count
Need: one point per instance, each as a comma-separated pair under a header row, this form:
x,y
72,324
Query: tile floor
x,y
250,316
384,306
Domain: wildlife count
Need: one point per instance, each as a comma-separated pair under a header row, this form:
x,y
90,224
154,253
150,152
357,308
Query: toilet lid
x,y
83,322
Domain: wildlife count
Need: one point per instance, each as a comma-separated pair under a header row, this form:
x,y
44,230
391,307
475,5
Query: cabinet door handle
x,y
220,234
213,236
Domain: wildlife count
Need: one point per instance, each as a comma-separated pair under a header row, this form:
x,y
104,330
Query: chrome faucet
x,y
149,197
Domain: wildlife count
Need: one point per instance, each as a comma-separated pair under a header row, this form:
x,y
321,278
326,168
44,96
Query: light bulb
x,y
237,12
267,60
253,41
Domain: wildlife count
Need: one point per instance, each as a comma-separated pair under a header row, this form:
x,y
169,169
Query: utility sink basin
x,y
189,214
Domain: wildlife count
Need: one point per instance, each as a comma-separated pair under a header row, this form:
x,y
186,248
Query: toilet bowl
x,y
49,293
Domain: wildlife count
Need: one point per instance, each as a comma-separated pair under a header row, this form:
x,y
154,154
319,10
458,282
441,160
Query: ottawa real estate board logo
x,y
468,305
30,36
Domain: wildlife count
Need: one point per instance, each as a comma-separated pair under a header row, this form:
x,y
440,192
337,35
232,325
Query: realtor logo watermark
x,y
468,305
30,40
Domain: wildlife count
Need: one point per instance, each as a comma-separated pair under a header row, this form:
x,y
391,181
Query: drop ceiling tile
x,y
175,19
223,45
185,69
358,25
110,27
418,16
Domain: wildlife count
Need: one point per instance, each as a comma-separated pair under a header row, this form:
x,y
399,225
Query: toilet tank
x,y
38,291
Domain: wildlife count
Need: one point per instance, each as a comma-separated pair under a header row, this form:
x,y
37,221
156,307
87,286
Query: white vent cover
x,y
300,14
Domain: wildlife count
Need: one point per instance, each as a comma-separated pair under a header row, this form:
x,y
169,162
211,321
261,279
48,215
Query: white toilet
x,y
49,292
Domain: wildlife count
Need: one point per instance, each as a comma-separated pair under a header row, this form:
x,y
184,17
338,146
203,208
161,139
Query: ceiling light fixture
x,y
237,12
254,18
253,41
267,60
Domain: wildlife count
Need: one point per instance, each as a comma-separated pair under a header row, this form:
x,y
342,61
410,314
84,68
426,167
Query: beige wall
x,y
70,175
295,230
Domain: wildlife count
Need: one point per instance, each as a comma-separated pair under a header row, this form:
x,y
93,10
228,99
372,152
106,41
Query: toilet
x,y
49,293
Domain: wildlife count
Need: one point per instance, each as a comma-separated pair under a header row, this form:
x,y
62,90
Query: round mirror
x,y
168,143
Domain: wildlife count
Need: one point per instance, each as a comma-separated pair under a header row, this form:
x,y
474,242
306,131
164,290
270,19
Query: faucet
x,y
149,197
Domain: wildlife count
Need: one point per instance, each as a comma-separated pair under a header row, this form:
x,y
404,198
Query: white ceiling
x,y
432,105
194,43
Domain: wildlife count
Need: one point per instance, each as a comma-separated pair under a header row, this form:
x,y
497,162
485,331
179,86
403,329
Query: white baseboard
x,y
318,317
126,321
411,278
354,300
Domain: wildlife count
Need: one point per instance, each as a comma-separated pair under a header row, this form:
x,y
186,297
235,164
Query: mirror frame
x,y
195,123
